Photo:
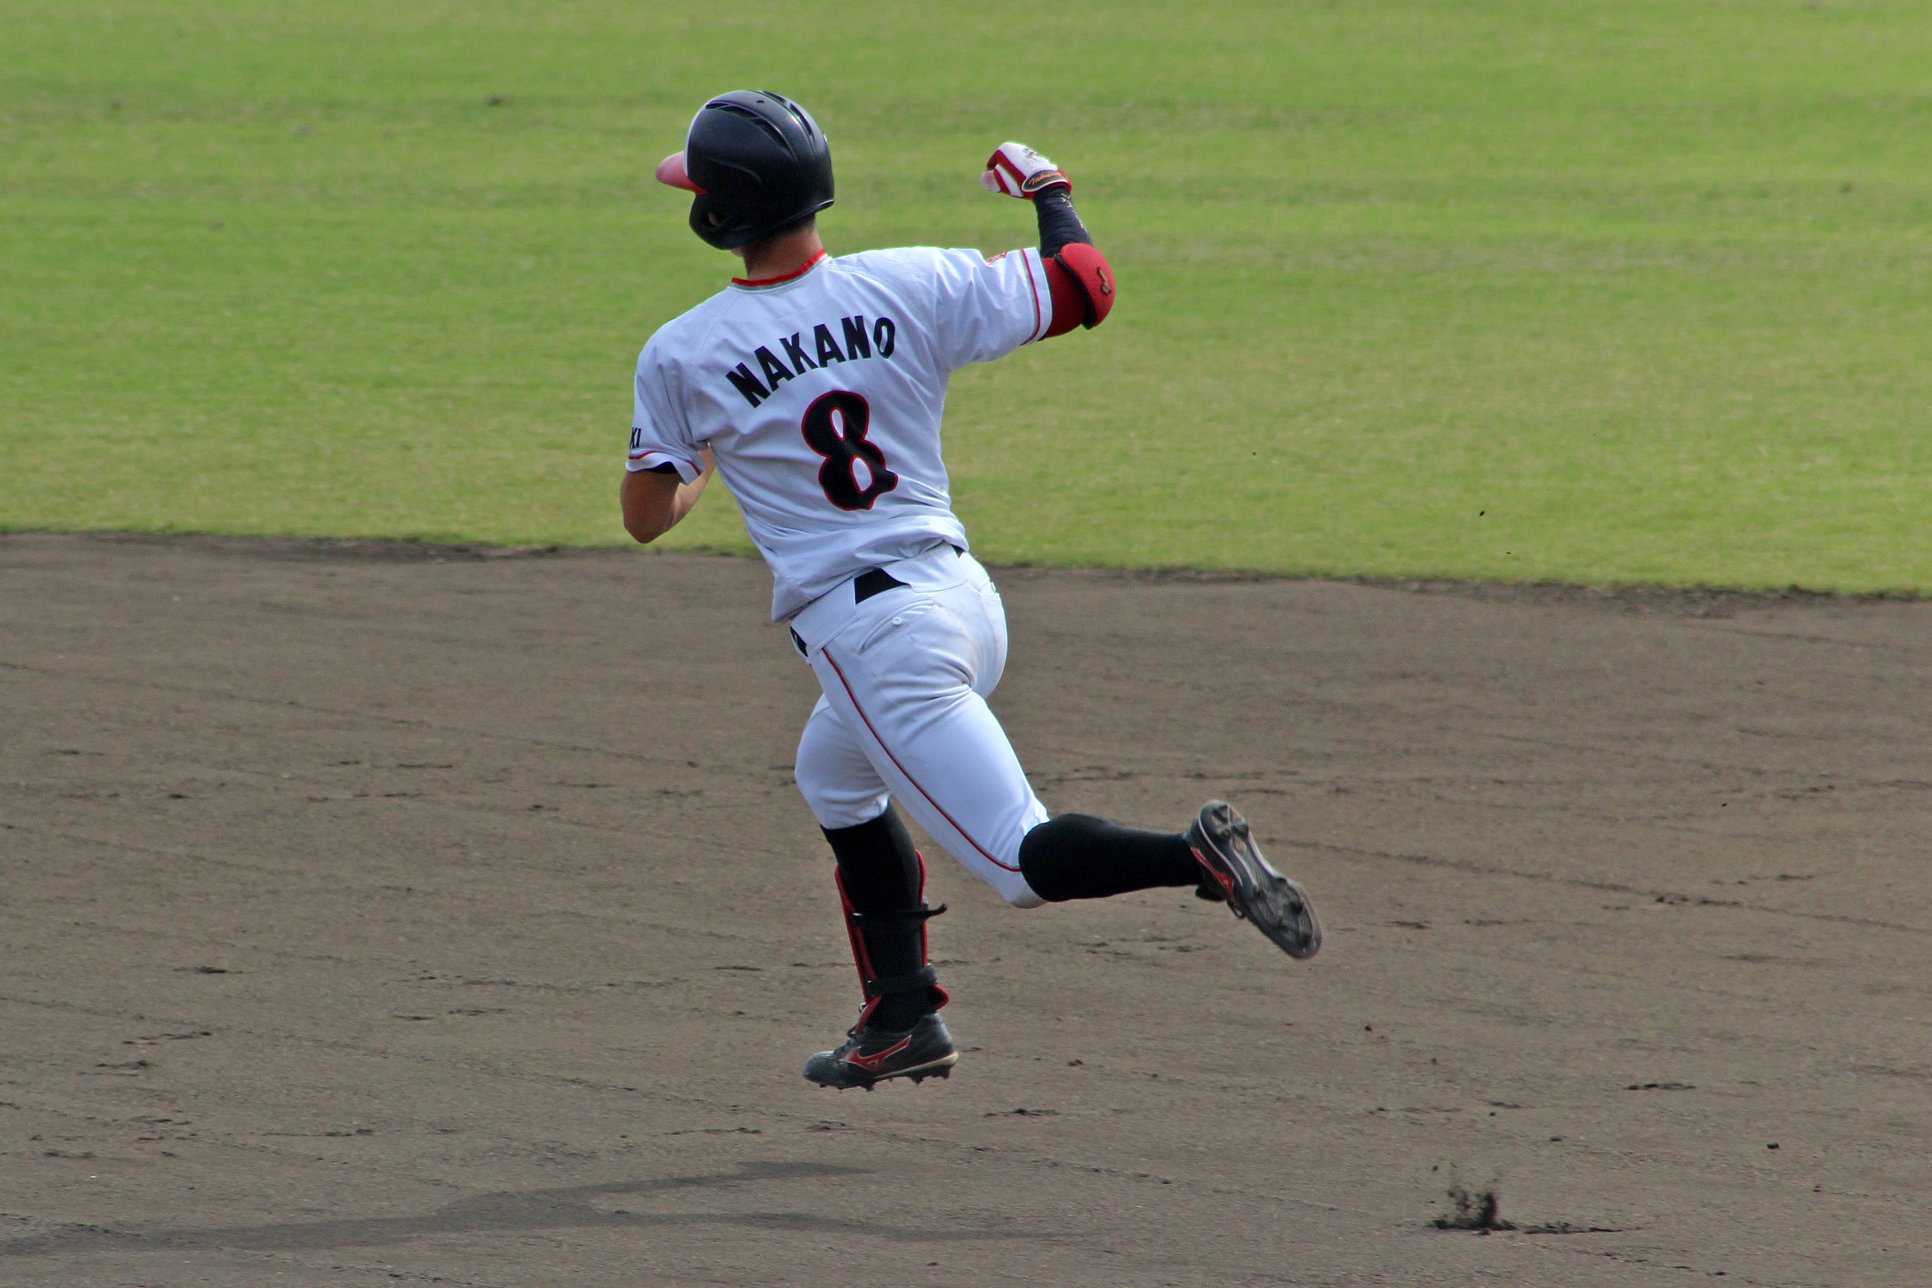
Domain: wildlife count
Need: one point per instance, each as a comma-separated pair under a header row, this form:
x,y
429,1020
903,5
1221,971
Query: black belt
x,y
877,581
873,581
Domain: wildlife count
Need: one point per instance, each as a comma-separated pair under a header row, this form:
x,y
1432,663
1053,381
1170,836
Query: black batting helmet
x,y
757,161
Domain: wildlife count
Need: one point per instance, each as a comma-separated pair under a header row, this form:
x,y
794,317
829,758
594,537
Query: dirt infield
x,y
373,914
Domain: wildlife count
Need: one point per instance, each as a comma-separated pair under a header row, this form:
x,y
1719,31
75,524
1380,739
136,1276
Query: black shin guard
x,y
1078,856
881,881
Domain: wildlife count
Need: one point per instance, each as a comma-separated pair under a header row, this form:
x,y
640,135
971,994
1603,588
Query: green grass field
x,y
1608,292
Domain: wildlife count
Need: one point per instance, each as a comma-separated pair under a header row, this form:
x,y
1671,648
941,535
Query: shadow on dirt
x,y
569,1207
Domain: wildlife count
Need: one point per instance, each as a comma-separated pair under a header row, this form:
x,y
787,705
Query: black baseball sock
x,y
1078,856
883,879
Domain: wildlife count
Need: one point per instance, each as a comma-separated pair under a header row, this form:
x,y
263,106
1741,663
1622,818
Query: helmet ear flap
x,y
712,221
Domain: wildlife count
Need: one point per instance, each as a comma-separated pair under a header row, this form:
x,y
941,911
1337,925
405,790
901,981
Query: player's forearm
x,y
1082,283
1060,224
687,498
1078,275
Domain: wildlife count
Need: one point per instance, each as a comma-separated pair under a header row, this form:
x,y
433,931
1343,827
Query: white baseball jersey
x,y
821,395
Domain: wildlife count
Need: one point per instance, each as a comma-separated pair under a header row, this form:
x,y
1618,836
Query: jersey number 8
x,y
834,427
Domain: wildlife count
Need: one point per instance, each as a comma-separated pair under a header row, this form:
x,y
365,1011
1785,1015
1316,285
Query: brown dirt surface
x,y
377,914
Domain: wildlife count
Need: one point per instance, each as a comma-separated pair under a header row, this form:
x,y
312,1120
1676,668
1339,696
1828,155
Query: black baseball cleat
x,y
872,1054
1237,874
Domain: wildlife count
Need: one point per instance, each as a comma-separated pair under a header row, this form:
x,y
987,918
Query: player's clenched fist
x,y
1019,171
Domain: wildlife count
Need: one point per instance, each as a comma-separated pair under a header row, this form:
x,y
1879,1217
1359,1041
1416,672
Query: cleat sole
x,y
1276,905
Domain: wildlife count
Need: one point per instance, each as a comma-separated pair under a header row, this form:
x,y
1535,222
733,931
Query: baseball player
x,y
816,386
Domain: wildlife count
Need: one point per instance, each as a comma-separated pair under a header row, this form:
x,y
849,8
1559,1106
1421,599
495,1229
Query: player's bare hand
x,y
1016,170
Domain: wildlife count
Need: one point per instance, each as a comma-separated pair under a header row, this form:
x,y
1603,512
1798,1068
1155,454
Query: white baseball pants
x,y
905,675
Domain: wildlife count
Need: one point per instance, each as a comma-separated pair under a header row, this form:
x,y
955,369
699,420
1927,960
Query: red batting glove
x,y
1018,171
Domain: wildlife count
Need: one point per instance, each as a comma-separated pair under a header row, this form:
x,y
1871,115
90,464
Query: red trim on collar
x,y
756,282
